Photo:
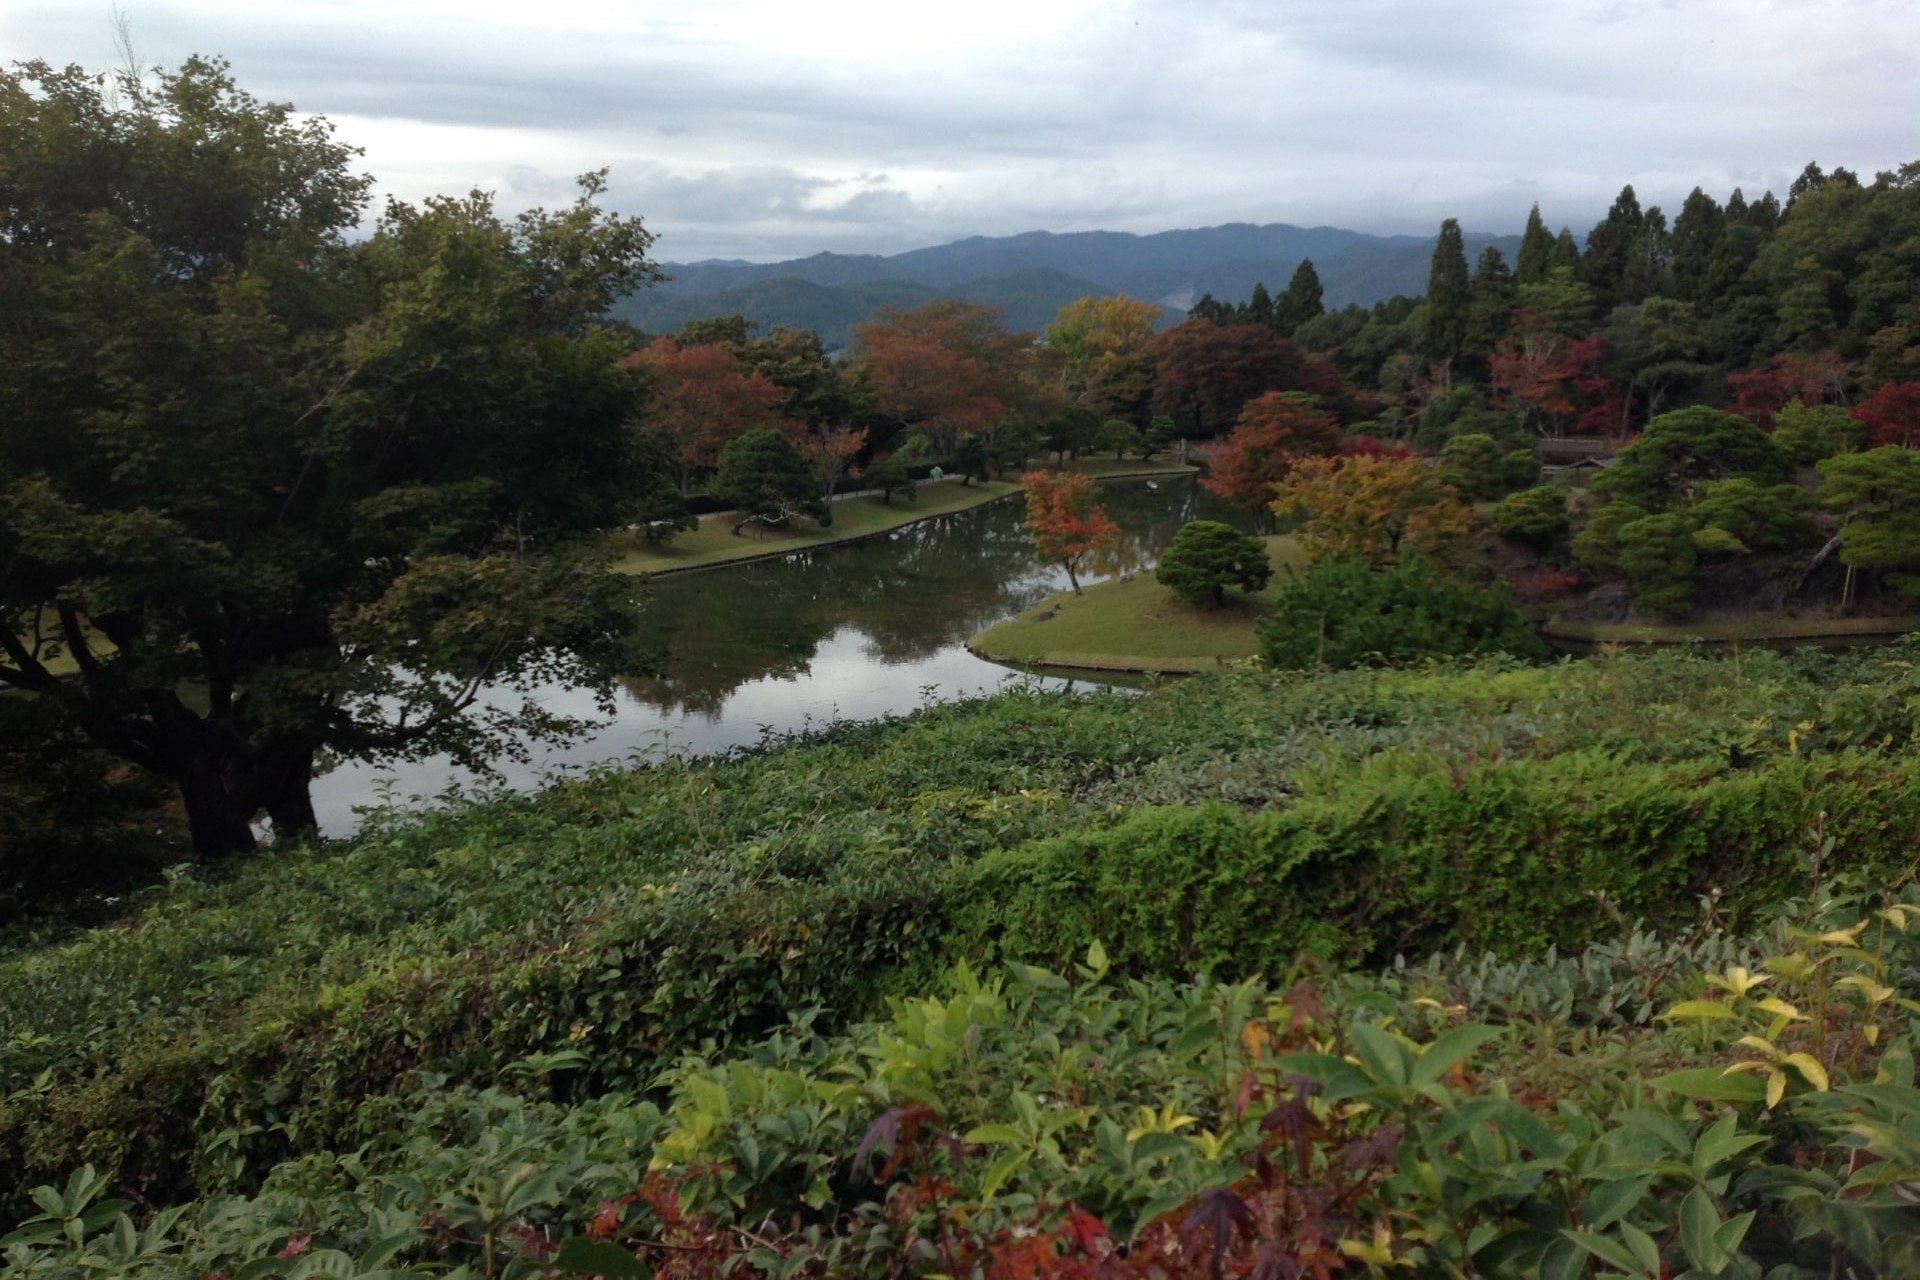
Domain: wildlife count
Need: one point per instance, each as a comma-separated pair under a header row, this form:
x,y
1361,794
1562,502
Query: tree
x,y
1159,436
1813,432
1749,516
1343,613
700,399
1891,415
829,453
1274,431
1303,300
1680,450
946,367
1536,248
889,476
1449,296
1877,494
1205,373
1537,516
1475,464
1377,509
1657,553
1065,519
273,492
764,478
1102,341
1206,557
1120,436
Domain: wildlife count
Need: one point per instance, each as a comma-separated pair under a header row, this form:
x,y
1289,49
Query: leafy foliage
x,y
1343,613
1376,509
1206,557
1537,515
1065,519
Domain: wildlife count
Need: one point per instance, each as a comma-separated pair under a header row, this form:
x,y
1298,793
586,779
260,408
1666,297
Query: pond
x,y
840,633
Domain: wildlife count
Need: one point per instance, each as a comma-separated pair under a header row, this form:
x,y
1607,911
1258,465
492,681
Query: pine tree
x,y
1536,250
1302,301
1449,298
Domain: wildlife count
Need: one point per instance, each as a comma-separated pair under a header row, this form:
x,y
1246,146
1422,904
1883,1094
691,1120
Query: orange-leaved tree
x,y
1274,431
701,398
1377,509
947,367
1066,520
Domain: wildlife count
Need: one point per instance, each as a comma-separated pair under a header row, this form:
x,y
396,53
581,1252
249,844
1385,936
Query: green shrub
x,y
1206,557
1536,516
1339,613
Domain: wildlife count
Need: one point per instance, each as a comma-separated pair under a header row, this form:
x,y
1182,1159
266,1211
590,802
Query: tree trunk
x,y
286,792
219,817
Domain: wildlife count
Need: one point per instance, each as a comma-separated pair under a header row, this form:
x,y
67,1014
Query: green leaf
x,y
1152,1146
1448,1048
381,1252
1713,1085
1699,1226
1721,1140
540,1187
1731,1232
999,1171
261,1268
1385,1058
1643,1247
1607,1203
581,1256
1608,1249
1001,1133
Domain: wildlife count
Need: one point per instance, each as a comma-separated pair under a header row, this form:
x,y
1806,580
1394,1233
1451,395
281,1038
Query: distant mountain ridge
x,y
1032,275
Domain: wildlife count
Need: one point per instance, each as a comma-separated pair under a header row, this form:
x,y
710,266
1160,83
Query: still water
x,y
842,633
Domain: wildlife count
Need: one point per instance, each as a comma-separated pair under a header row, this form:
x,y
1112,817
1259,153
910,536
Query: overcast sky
x,y
768,129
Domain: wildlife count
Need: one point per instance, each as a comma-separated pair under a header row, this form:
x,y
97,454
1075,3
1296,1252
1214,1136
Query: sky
x,y
771,129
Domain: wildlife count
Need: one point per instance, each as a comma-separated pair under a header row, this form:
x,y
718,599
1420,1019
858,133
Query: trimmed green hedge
x,y
1508,857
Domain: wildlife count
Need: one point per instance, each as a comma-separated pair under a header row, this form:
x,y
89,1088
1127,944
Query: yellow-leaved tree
x,y
1376,509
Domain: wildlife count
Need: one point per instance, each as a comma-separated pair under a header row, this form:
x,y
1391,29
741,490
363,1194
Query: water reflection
x,y
849,632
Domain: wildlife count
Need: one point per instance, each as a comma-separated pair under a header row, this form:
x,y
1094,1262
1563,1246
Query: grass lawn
x,y
1756,627
713,543
1136,626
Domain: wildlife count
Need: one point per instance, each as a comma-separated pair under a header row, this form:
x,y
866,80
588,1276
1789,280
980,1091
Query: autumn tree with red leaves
x,y
701,399
1376,509
947,367
1891,414
1274,432
1204,373
1065,519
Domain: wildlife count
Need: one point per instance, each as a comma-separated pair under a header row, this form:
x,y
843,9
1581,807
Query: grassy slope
x,y
1136,626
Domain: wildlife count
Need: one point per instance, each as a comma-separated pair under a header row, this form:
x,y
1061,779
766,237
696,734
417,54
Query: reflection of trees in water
x,y
911,595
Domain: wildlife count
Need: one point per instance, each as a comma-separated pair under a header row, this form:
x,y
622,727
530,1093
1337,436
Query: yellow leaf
x,y
1780,1007
1809,1067
1760,1044
1776,1088
1845,936
1699,1009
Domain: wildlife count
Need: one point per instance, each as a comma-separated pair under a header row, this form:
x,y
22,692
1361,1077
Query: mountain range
x,y
1032,275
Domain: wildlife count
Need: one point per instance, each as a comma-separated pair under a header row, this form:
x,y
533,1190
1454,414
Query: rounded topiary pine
x,y
1207,557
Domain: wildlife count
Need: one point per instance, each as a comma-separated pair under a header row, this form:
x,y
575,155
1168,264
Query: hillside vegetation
x,y
635,1010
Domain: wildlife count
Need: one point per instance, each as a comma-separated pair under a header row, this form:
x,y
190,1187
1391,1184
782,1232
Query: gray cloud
x,y
857,131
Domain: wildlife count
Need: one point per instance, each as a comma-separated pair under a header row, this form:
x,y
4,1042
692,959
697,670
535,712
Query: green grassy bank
x,y
1136,625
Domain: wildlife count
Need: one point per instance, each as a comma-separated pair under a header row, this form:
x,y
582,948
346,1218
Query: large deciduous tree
x,y
1378,509
700,399
271,492
1065,519
946,367
1275,431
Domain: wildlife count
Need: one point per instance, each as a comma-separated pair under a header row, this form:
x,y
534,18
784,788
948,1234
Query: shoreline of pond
x,y
986,499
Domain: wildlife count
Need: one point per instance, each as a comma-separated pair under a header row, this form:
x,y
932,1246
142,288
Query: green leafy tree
x,y
1120,436
972,459
767,481
890,476
1597,546
660,512
272,491
1877,494
1657,553
1755,516
1813,432
1159,436
1341,613
1680,450
1475,464
1206,557
1537,516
